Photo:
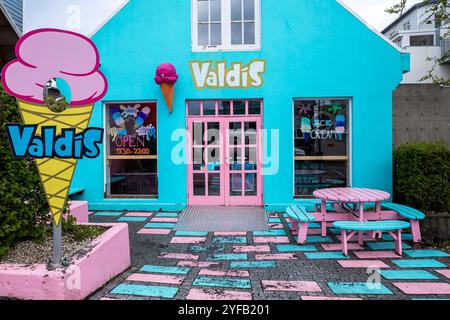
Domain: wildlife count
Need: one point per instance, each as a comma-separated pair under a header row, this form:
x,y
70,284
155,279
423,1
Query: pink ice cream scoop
x,y
46,54
166,73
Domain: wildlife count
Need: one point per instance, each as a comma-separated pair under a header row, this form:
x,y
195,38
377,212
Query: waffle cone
x,y
168,91
56,174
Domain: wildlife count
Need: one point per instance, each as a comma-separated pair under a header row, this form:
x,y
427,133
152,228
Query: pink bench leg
x,y
324,229
294,225
344,242
398,243
302,232
415,229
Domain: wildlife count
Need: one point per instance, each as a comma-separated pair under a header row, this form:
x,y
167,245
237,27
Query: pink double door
x,y
225,161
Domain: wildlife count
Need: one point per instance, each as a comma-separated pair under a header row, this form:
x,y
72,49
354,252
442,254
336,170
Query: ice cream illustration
x,y
43,55
340,126
166,77
306,128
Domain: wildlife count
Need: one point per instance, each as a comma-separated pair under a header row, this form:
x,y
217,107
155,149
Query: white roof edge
x,y
102,24
382,36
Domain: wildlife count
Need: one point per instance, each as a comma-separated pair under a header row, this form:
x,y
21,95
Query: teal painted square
x,y
146,291
405,237
160,225
325,255
167,215
426,253
228,256
407,275
222,282
427,263
358,288
166,270
132,219
270,233
200,249
314,225
317,239
385,245
295,248
108,214
229,240
253,264
191,234
274,220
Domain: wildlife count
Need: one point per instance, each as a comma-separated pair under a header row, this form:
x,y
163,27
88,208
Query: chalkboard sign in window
x,y
321,141
131,149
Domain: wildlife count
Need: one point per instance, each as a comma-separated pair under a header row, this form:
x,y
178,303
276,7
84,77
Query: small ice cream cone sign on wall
x,y
166,77
52,67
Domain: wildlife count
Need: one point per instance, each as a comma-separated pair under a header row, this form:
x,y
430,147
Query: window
x,y
131,150
321,137
226,25
421,41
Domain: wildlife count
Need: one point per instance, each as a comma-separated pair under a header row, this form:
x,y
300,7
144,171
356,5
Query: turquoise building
x,y
274,100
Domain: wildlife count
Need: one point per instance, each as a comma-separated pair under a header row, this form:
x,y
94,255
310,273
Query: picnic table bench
x,y
413,215
300,219
350,228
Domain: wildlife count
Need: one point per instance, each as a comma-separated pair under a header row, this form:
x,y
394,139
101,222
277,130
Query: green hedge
x,y
422,176
23,207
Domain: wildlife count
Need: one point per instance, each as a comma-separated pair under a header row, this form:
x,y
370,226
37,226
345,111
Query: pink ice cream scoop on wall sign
x,y
166,77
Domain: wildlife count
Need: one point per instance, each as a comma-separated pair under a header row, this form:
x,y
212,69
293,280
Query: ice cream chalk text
x,y
69,145
237,76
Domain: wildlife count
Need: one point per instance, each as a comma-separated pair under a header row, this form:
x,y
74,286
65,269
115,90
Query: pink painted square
x,y
315,298
276,226
276,256
187,240
423,287
296,286
164,220
156,278
376,254
214,294
338,247
247,249
139,214
154,231
179,256
219,273
445,273
271,239
363,264
197,264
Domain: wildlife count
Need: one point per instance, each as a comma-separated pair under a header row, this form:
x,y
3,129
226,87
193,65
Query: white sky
x,y
56,13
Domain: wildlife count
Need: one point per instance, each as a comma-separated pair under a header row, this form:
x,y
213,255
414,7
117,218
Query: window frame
x,y
226,30
107,156
349,157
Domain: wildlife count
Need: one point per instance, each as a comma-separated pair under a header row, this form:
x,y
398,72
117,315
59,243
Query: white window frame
x,y
226,30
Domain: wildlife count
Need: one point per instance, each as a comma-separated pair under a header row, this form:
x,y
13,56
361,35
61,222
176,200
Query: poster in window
x,y
132,129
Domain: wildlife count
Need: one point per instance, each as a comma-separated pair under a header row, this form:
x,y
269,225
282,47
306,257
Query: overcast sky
x,y
56,13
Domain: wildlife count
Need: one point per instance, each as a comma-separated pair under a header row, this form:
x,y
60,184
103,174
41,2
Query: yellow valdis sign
x,y
218,75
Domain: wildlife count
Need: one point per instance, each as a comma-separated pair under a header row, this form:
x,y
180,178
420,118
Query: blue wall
x,y
312,48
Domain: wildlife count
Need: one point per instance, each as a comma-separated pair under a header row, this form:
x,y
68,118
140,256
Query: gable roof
x,y
382,36
13,10
406,13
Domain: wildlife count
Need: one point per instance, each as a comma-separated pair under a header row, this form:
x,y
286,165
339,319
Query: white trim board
x,y
382,36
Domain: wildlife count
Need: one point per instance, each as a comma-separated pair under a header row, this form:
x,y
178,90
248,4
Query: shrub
x,y
422,176
23,206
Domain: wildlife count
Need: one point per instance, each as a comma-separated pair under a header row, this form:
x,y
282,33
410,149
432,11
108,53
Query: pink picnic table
x,y
358,197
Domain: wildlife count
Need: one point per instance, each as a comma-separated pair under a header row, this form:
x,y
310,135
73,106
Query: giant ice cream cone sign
x,y
166,77
56,139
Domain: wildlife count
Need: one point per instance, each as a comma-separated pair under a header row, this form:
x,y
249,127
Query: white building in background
x,y
412,32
